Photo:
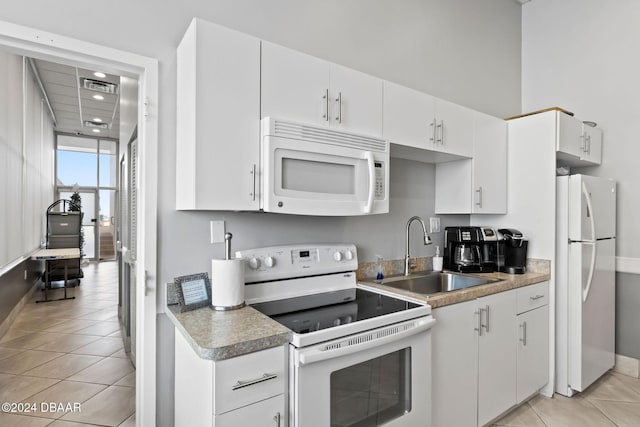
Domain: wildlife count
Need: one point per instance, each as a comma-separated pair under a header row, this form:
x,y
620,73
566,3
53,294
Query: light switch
x,y
434,224
217,230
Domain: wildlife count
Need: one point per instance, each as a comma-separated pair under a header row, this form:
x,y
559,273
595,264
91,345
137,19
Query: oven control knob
x,y
348,255
269,261
337,256
254,263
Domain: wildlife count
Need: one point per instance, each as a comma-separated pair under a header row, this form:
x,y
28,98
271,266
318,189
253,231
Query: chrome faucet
x,y
427,241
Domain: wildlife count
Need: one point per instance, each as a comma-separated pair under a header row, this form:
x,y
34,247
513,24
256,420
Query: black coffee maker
x,y
470,249
512,250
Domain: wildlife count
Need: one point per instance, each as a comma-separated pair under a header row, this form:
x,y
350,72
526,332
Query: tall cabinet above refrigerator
x,y
585,280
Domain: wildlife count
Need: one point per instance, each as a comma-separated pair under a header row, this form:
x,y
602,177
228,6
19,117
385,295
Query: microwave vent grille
x,y
329,137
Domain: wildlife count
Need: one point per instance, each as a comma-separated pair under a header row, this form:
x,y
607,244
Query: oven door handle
x,y
365,341
368,155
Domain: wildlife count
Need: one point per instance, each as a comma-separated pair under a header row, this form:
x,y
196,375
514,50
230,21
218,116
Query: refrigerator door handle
x,y
592,242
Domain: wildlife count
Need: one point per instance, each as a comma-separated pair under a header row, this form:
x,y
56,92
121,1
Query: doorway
x,y
35,43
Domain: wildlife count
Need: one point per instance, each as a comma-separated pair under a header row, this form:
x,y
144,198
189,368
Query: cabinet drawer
x,y
248,379
268,413
533,296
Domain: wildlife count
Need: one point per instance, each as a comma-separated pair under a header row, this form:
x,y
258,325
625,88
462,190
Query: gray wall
x,y
14,286
465,51
581,55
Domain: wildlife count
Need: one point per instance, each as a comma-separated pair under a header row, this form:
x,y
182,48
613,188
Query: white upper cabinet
x,y
408,116
295,86
453,128
592,147
302,88
478,185
416,119
218,119
577,144
489,165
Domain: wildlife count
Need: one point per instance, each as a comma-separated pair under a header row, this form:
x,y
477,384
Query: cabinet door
x,y
533,352
453,187
218,121
489,165
266,413
408,116
569,138
497,355
454,128
592,144
356,101
295,86
454,344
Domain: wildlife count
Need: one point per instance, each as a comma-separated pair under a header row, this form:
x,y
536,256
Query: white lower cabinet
x,y
533,340
241,391
474,360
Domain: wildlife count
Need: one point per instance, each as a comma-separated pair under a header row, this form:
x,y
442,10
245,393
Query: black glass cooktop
x,y
356,306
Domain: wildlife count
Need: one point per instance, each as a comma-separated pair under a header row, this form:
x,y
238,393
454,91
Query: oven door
x,y
379,377
317,177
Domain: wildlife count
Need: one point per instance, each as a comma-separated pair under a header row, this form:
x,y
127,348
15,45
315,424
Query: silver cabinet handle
x,y
441,127
588,144
339,101
479,328
253,172
479,192
523,340
277,418
486,323
247,383
325,116
432,125
536,297
583,142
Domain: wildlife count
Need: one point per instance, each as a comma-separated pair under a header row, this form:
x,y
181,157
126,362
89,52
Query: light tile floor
x,y
613,400
61,353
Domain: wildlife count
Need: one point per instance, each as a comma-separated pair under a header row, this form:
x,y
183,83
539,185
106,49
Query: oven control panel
x,y
286,262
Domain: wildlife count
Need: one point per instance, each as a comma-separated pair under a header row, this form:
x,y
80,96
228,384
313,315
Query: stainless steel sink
x,y
434,282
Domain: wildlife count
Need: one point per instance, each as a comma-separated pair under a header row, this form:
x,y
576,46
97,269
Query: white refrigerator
x,y
585,281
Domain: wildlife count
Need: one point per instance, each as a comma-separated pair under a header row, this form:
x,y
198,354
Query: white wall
x,y
465,51
26,160
582,55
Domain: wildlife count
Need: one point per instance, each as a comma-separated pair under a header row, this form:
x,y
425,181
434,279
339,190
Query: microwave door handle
x,y
368,155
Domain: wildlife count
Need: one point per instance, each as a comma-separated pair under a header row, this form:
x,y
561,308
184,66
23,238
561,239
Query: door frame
x,y
39,44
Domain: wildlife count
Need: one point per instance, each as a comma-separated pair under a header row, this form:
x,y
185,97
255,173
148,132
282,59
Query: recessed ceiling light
x,y
97,119
98,97
99,74
96,130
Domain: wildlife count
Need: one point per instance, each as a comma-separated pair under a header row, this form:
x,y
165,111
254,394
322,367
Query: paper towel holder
x,y
227,295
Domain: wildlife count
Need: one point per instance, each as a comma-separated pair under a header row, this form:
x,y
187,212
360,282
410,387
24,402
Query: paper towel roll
x,y
227,284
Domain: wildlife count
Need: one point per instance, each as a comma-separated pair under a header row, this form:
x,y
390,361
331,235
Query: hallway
x,y
65,359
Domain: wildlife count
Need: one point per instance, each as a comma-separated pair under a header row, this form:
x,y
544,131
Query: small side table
x,y
49,255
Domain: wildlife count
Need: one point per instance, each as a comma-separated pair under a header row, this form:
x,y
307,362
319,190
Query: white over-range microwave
x,y
310,170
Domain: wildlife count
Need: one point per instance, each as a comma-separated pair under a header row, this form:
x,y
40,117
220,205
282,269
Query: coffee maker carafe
x,y
470,249
513,251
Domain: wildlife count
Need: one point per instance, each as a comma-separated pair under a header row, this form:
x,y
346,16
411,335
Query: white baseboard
x,y
627,366
6,323
627,265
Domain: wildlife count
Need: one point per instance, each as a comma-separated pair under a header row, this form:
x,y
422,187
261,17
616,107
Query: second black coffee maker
x,y
512,250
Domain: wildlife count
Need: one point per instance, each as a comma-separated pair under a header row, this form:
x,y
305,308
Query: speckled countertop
x,y
219,335
537,271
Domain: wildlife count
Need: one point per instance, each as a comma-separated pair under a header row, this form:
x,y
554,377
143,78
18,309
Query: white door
x,y
489,165
454,128
591,311
496,355
356,101
408,116
533,352
454,341
295,86
569,138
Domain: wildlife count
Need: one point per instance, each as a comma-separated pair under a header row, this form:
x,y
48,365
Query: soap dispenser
x,y
437,260
379,275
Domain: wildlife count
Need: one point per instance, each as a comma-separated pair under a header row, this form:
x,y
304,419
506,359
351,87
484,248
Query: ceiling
x,y
74,106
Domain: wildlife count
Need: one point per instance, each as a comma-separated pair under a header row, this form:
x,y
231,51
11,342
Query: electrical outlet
x,y
217,230
434,224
